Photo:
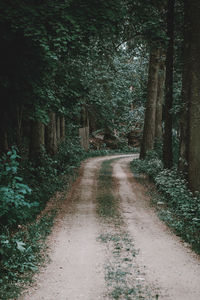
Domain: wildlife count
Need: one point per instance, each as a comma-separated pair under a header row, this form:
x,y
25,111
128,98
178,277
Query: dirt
x,y
77,268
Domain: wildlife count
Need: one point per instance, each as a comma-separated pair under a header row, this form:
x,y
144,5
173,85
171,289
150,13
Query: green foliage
x,y
147,21
70,155
110,98
152,165
182,208
43,179
50,174
40,43
13,192
20,254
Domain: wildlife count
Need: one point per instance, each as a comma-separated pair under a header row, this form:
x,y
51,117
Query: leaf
x,y
18,178
20,246
6,242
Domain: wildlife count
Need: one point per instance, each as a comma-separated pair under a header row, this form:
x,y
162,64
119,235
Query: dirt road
x,y
136,258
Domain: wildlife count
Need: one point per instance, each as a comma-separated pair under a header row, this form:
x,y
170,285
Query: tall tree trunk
x,y
3,133
3,141
58,129
93,119
167,137
160,96
193,67
84,130
50,135
19,126
184,121
36,139
62,128
150,113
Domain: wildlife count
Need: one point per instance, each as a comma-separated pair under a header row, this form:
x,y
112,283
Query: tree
x,y
150,112
191,90
62,128
160,97
3,133
167,137
37,142
39,45
51,135
184,120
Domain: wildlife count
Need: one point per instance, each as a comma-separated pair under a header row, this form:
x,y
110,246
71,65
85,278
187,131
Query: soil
x,y
77,268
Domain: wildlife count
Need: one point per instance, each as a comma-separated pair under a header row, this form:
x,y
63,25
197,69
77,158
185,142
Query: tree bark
x,y
50,135
150,113
184,121
62,128
84,130
19,126
84,137
167,137
37,139
58,129
160,97
3,133
193,67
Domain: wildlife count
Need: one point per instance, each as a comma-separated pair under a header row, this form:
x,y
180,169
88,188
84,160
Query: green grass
x,y
108,204
121,272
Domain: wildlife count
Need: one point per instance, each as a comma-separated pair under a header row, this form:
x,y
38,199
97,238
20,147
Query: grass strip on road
x,y
123,277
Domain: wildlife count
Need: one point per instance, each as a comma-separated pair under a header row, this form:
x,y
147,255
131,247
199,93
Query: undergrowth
x,y
21,253
181,209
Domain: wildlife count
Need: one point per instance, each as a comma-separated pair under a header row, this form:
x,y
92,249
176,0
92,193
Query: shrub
x,y
20,254
152,165
182,208
70,155
14,205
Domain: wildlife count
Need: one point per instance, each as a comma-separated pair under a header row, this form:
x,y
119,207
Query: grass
x,y
108,204
121,272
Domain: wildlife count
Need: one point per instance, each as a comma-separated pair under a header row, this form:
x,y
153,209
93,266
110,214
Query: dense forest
x,y
82,78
